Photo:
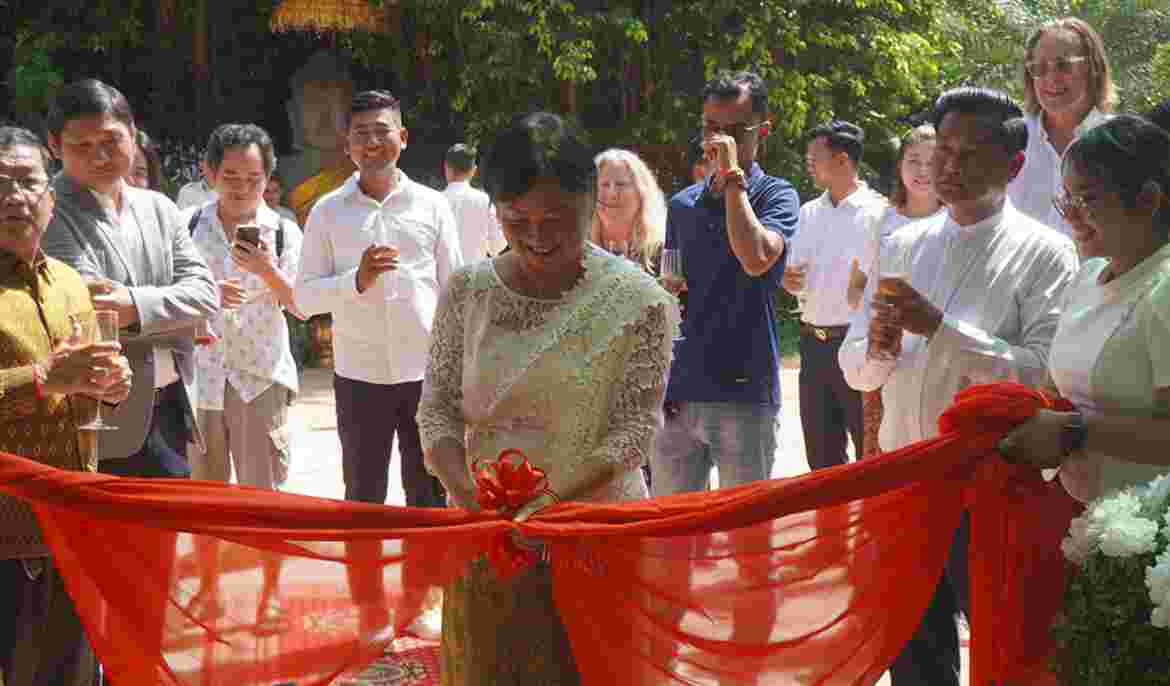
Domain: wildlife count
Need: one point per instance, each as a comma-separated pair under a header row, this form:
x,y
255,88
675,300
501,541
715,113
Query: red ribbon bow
x,y
505,485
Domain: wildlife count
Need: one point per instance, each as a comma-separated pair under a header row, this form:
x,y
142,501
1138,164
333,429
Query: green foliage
x,y
1160,72
34,77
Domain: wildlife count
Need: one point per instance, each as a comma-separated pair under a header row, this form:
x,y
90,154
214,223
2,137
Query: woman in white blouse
x,y
1111,353
1068,89
913,198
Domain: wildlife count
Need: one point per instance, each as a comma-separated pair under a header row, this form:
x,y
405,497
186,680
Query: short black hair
x,y
728,85
1160,115
841,136
13,136
231,136
1001,112
460,158
86,99
1124,153
535,146
368,101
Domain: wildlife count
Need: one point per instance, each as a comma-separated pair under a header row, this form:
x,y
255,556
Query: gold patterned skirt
x,y
504,633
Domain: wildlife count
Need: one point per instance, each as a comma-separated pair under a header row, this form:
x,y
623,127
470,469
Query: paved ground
x,y
316,460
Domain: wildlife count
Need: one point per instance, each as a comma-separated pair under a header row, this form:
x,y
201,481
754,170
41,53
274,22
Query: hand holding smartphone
x,y
248,233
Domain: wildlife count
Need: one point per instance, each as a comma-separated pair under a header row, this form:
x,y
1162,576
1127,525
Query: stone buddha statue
x,y
322,89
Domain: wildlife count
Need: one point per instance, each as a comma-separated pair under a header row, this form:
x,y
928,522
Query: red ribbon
x,y
505,486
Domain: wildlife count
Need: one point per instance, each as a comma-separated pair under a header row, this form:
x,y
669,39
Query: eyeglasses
x,y
1064,66
30,187
1072,203
736,131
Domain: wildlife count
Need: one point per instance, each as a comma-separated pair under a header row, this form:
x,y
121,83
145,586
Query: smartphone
x,y
248,233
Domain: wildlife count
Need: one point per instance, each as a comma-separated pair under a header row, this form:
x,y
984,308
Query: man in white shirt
x,y
479,231
834,230
980,303
377,252
196,193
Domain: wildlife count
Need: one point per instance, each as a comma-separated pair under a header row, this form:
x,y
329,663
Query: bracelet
x,y
736,176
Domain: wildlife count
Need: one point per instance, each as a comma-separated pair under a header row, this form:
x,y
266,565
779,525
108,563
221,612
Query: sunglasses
x,y
1064,66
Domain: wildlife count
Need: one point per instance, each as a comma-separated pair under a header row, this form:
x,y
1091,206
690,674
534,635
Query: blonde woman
x,y
630,218
1068,89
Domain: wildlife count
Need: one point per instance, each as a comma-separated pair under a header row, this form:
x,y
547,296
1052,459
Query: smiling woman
x,y
553,313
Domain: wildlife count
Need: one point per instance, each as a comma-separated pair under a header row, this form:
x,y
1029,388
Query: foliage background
x,y
630,70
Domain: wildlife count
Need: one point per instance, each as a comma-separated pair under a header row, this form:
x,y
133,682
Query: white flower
x,y
1158,491
1126,536
1082,540
1158,579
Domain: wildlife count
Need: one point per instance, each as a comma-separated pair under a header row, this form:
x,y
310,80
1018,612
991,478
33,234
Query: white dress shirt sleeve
x,y
448,254
988,358
496,240
861,372
319,289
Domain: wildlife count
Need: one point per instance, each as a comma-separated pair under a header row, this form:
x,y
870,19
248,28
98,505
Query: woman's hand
x,y
533,506
1038,441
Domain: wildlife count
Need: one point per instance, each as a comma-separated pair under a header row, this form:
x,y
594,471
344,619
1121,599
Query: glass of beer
x,y
885,332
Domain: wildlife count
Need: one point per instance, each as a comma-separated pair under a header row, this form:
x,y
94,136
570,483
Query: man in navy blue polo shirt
x,y
723,400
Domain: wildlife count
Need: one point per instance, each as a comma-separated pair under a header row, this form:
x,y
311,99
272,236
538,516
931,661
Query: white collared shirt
x,y
475,218
1040,179
252,350
830,237
998,283
382,335
165,371
195,194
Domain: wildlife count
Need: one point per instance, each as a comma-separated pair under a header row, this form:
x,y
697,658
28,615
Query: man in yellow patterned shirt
x,y
44,369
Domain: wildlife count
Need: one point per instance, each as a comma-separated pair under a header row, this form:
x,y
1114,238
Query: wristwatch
x,y
735,176
1074,434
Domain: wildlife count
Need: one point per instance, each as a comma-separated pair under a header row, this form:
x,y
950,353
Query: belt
x,y
824,333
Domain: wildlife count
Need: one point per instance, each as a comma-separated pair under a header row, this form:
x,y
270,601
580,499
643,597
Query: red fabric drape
x,y
815,579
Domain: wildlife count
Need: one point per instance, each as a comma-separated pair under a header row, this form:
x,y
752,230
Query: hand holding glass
x,y
795,281
673,278
885,331
105,330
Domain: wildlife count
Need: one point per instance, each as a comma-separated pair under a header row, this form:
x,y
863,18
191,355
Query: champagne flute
x,y
104,331
673,277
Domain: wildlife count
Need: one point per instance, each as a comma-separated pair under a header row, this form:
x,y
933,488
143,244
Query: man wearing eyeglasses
x,y
723,399
45,372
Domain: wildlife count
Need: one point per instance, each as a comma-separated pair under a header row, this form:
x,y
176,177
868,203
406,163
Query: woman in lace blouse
x,y
555,348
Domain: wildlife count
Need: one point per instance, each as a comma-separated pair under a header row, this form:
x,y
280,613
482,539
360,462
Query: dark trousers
x,y
164,454
369,416
42,642
828,406
931,657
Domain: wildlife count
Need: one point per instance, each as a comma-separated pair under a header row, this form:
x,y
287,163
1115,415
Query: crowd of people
x,y
1025,244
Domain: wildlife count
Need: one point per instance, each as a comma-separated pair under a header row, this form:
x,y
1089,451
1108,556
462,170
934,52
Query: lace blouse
x,y
575,383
